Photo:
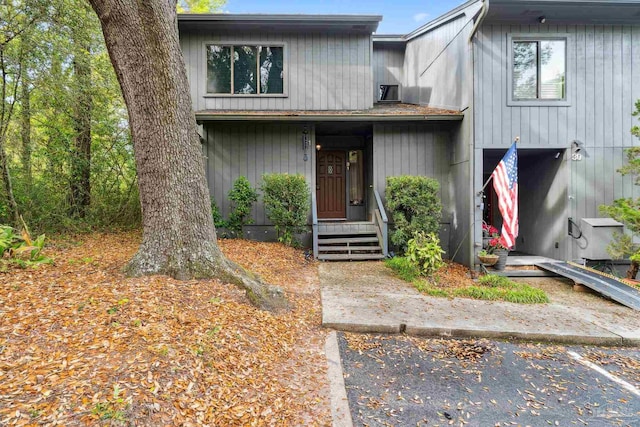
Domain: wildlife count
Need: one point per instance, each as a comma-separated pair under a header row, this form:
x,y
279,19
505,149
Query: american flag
x,y
505,182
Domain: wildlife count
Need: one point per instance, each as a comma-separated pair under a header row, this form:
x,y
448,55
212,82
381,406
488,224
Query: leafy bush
x,y
19,249
242,196
218,220
404,268
286,200
424,251
415,206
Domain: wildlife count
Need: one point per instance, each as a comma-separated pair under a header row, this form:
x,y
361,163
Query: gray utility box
x,y
597,233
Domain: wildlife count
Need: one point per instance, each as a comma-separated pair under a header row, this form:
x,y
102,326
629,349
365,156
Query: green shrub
x,y
286,201
424,251
242,196
414,205
404,268
20,248
218,220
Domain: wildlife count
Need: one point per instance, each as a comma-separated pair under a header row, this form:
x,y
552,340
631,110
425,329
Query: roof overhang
x,y
564,12
380,113
365,24
205,117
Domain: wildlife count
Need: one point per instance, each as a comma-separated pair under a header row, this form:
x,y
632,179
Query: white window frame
x,y
538,37
232,44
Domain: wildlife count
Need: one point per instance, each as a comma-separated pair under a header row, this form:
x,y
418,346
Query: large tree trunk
x,y
80,191
25,118
632,272
179,238
6,110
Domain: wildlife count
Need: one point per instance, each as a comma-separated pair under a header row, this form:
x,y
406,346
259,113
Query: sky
x,y
398,16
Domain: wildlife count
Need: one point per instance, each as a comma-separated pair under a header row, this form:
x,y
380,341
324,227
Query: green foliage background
x,y
41,41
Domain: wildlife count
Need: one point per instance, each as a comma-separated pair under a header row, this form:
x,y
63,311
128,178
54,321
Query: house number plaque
x,y
330,170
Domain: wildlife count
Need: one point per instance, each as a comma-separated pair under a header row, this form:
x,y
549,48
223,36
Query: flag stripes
x,y
505,184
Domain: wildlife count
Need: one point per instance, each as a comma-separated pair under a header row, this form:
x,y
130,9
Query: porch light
x,y
305,144
542,19
318,147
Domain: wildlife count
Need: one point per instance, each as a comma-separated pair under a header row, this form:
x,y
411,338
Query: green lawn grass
x,y
489,287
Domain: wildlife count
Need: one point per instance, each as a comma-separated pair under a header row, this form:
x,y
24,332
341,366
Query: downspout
x,y
483,14
472,144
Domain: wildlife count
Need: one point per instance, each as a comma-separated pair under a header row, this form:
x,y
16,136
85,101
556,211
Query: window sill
x,y
251,95
538,103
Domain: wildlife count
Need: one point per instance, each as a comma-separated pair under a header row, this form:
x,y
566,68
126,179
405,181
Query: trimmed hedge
x,y
286,200
415,206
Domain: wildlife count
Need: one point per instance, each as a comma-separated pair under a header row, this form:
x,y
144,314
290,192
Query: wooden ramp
x,y
599,282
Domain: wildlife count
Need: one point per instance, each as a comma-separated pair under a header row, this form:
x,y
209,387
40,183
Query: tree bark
x,y
80,183
25,134
632,272
179,237
5,117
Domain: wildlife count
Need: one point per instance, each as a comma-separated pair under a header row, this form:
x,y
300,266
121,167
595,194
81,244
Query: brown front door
x,y
331,184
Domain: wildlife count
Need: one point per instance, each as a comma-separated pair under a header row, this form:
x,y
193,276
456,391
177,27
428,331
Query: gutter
x,y
483,14
327,118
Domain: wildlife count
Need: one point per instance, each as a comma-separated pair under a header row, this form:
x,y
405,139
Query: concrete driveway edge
x,y
339,403
604,340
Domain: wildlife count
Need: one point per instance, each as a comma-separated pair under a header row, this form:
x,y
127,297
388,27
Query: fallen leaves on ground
x,y
453,275
470,350
80,344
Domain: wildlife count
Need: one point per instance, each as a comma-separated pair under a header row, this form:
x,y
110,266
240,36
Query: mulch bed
x,y
81,344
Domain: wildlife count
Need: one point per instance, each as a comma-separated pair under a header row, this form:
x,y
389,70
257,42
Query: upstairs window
x,y
539,69
245,69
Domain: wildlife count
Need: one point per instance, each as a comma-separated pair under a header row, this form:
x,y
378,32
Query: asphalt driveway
x,y
406,381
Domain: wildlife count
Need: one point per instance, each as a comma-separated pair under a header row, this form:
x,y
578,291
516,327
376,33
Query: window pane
x,y
244,69
356,178
525,70
552,69
271,70
218,69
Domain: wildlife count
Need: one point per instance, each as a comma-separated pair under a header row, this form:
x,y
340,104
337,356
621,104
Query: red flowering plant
x,y
496,244
490,230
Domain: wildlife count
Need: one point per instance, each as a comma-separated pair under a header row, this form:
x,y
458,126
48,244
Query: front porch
x,y
351,240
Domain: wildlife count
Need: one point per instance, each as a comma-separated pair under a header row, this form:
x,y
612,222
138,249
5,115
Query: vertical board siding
x,y
387,67
412,149
603,83
323,71
435,66
603,78
252,150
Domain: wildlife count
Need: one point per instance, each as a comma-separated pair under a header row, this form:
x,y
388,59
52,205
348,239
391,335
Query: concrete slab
x,y
340,412
526,260
365,297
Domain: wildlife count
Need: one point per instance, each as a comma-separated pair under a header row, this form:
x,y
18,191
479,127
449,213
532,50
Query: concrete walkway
x,y
366,297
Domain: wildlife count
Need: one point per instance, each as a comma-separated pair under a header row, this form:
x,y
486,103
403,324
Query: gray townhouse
x,y
327,97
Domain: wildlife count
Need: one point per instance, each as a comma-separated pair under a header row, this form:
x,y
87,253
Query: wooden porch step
x,y
346,233
348,248
347,240
349,257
